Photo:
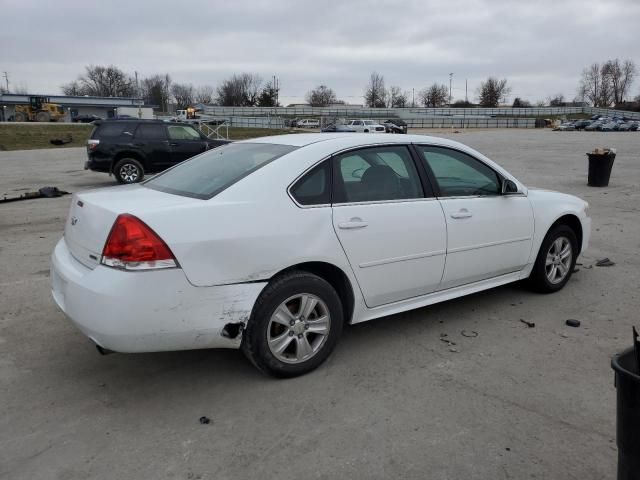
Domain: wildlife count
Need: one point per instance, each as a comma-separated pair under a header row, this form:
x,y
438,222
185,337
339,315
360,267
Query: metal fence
x,y
470,122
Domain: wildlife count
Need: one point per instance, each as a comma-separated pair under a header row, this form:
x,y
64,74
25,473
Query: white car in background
x,y
272,244
366,126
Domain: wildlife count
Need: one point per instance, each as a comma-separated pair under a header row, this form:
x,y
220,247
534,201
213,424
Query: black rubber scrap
x,y
527,323
205,420
572,322
605,262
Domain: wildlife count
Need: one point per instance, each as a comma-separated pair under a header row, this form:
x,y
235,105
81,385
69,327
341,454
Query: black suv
x,y
131,148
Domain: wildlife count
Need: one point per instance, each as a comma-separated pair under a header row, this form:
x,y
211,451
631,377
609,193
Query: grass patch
x,y
241,133
37,135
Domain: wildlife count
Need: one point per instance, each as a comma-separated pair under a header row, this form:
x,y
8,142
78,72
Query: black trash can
x,y
600,165
625,365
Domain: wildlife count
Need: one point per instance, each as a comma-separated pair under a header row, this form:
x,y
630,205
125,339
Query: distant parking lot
x,y
393,401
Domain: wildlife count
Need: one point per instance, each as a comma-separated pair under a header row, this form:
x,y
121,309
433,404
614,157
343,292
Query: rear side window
x,y
206,175
113,130
314,188
151,132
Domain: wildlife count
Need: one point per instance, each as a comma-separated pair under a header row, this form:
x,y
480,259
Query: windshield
x,y
208,174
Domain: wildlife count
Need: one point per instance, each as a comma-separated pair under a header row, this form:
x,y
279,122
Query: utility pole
x,y
466,98
450,83
413,97
6,78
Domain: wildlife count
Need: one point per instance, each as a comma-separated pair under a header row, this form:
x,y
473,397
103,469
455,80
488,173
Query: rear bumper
x,y
147,311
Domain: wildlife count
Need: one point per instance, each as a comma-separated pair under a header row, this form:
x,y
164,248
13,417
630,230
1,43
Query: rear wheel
x,y
128,170
294,326
20,117
556,260
43,117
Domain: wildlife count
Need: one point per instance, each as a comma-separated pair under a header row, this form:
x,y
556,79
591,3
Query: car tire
x,y
128,170
551,272
20,117
279,339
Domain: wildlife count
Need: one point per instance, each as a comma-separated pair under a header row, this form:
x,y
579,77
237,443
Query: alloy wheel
x,y
298,328
559,260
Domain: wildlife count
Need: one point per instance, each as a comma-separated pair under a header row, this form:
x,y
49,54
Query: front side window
x,y
459,174
182,132
206,175
376,174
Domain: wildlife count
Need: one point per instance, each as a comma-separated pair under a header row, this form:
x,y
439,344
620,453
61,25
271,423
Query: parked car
x,y
129,149
272,244
596,125
308,123
85,118
337,127
633,126
609,127
624,127
395,125
581,124
366,126
566,126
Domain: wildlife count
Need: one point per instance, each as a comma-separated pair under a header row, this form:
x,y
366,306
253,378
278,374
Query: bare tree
x,y
321,96
203,94
396,98
101,81
621,76
156,90
492,92
557,100
240,90
521,103
375,95
183,94
434,96
595,86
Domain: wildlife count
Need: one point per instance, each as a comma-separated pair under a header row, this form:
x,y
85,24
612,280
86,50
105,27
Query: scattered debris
x,y
508,449
605,262
528,324
454,350
573,322
469,334
575,270
44,192
205,420
588,266
61,141
443,338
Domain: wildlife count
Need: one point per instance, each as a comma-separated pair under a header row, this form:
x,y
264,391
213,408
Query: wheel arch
x,y
573,222
333,275
128,154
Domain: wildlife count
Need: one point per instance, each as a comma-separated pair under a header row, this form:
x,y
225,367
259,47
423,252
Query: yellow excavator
x,y
40,109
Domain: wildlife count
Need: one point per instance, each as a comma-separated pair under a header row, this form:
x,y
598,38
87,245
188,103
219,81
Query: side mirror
x,y
509,187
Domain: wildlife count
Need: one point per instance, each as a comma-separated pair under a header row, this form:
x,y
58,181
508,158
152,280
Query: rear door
x,y
185,142
489,234
392,231
151,138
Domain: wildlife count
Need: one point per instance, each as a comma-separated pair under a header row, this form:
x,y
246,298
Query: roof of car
x,y
353,139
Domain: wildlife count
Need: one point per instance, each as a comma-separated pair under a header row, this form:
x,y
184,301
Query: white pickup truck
x,y
366,126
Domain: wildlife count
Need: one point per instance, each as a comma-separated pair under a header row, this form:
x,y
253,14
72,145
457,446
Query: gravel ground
x,y
392,402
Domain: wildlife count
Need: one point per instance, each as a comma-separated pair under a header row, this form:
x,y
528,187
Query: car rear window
x,y
208,174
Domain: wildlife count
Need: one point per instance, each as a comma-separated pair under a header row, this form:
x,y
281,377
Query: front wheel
x,y
295,324
128,170
556,260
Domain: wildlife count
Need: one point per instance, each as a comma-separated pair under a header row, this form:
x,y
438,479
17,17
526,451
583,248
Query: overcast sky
x,y
541,47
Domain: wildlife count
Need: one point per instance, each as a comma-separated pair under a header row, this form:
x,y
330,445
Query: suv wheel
x,y
128,170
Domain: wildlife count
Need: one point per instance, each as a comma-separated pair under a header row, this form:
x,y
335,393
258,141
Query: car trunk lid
x,y
93,213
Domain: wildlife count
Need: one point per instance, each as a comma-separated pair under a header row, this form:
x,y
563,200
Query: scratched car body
x,y
272,244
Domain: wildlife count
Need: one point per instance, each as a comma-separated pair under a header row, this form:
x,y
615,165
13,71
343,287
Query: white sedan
x,y
366,126
271,245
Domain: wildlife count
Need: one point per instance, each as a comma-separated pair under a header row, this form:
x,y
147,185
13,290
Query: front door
x,y
185,142
151,138
392,232
489,234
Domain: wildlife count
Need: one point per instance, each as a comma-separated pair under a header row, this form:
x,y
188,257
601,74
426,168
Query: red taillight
x,y
92,144
132,245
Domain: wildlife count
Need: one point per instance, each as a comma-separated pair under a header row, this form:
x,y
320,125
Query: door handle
x,y
352,224
462,213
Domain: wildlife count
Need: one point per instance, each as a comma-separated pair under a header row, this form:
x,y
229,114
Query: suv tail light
x,y
92,144
133,245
